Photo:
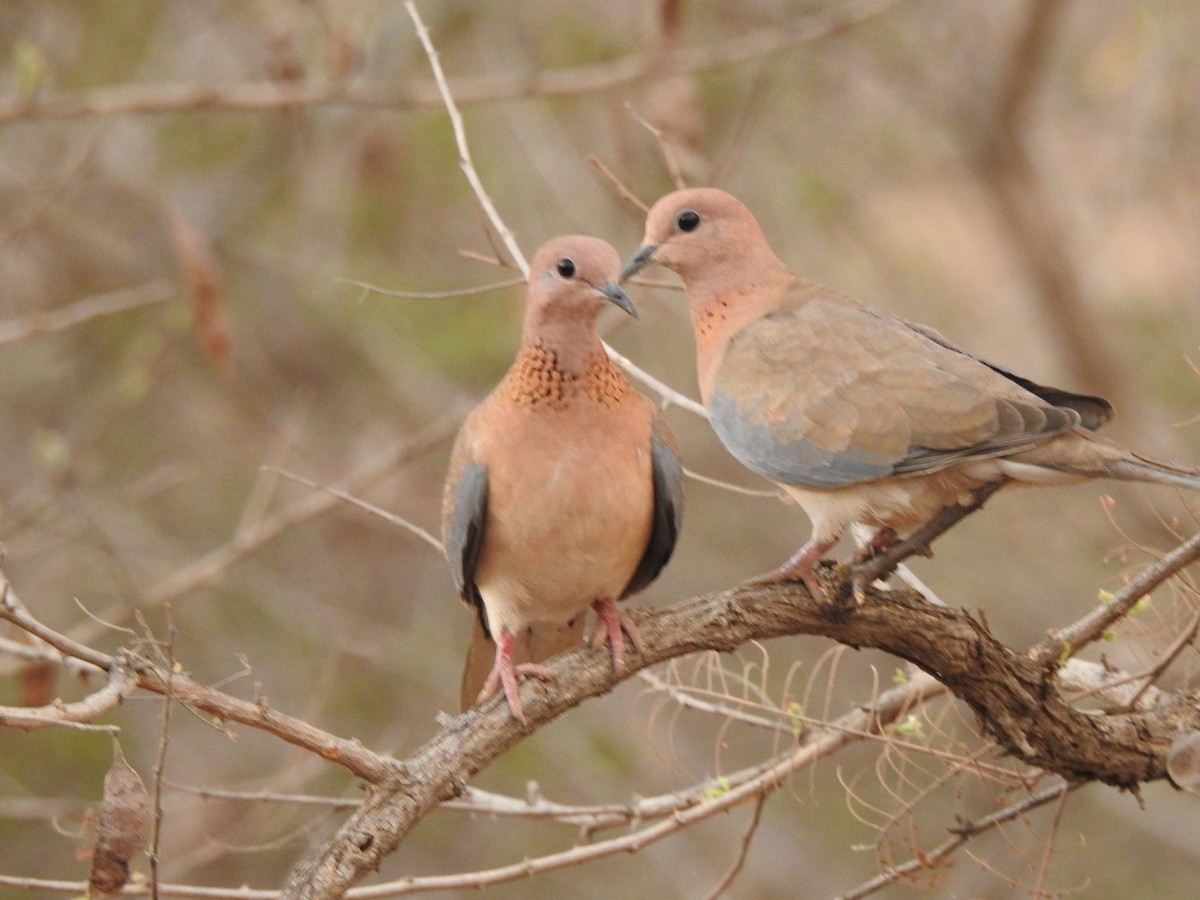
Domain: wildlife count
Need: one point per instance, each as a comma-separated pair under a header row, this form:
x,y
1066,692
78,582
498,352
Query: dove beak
x,y
639,260
612,291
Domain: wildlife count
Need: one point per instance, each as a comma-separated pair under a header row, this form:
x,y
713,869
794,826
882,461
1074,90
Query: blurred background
x,y
194,187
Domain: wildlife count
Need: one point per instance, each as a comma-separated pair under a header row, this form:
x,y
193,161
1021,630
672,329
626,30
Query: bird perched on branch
x,y
565,487
860,416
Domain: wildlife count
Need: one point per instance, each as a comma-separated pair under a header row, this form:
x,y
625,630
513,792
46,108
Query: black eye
x,y
565,267
688,220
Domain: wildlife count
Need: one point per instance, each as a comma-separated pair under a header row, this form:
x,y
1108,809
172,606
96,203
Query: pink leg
x,y
801,567
505,673
611,627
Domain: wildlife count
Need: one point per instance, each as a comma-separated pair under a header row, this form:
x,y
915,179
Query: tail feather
x,y
1139,468
534,646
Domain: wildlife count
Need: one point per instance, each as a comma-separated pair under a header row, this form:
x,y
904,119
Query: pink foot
x,y
611,627
505,673
801,567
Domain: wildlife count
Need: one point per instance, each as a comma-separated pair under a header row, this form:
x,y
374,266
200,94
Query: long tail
x,y
1139,468
536,645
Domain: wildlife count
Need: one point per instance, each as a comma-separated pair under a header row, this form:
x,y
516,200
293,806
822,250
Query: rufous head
x,y
698,231
574,277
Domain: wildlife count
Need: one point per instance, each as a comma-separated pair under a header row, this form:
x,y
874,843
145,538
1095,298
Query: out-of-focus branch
x,y
212,566
348,753
1030,217
66,317
283,96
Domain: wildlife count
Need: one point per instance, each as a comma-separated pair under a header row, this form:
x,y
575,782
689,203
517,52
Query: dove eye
x,y
688,220
565,267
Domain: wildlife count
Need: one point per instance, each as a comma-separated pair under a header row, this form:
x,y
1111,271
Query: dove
x,y
564,489
862,417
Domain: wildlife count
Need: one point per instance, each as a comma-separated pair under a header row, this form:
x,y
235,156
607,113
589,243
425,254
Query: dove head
x,y
571,279
706,236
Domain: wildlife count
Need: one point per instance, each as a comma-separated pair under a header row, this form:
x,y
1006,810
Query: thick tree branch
x,y
1015,696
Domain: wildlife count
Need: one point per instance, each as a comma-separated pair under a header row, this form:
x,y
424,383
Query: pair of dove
x,y
564,490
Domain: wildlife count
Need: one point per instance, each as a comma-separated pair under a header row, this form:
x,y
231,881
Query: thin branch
x,y
668,394
817,744
1068,641
361,504
55,320
160,763
281,96
664,147
743,850
962,833
81,713
1039,887
367,287
212,566
460,139
729,486
349,753
622,191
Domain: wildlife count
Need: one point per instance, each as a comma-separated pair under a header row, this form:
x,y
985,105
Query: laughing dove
x,y
860,416
565,486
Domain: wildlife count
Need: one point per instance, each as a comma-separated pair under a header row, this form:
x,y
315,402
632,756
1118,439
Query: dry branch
x,y
281,96
1015,695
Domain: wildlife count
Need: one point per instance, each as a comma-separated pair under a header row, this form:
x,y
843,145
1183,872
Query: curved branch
x,y
121,683
1015,696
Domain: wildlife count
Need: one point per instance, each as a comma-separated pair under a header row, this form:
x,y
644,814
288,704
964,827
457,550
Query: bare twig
x,y
729,486
664,147
363,505
962,833
160,763
464,148
212,566
1091,627
367,287
622,191
351,754
79,714
55,320
1039,887
743,850
668,394
281,96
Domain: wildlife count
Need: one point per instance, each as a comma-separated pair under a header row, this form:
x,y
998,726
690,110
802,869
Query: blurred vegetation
x,y
132,446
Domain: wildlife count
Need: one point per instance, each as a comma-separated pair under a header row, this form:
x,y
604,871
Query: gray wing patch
x,y
668,514
790,462
463,536
800,462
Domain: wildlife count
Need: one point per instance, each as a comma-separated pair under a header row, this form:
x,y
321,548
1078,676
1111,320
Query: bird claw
x,y
611,627
505,673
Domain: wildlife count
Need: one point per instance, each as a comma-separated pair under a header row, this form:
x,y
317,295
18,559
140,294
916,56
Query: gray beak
x,y
612,291
639,260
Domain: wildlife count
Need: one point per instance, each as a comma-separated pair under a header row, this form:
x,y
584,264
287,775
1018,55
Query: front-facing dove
x,y
860,416
565,487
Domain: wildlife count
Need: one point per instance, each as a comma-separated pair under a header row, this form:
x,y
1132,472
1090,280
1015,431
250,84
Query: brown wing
x,y
825,393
